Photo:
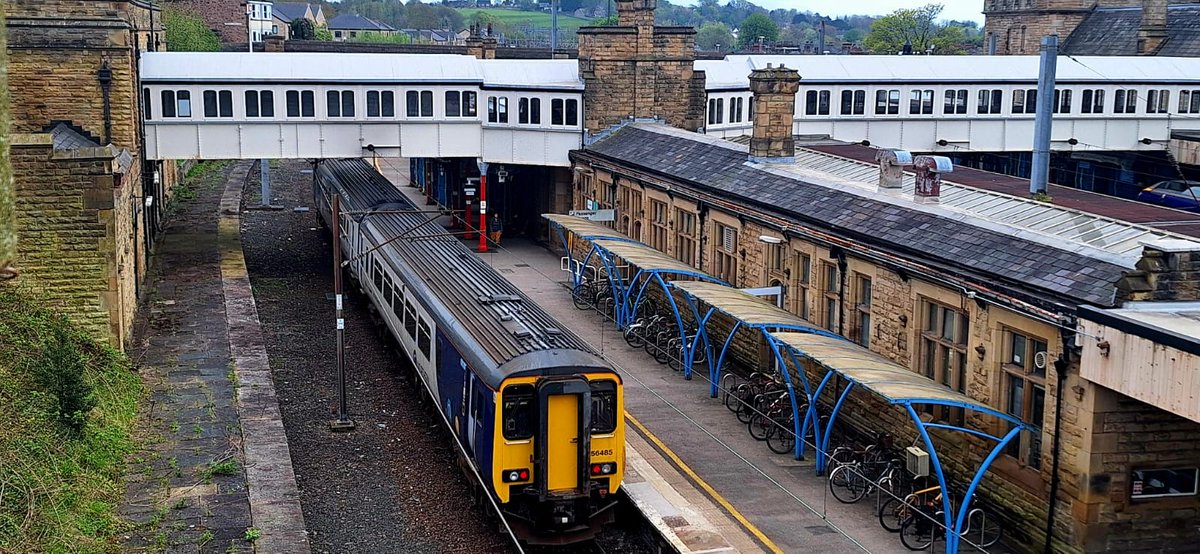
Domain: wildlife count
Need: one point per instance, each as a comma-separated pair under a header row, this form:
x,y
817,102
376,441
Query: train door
x,y
473,412
564,438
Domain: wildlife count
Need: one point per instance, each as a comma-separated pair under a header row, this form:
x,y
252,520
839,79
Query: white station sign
x,y
595,215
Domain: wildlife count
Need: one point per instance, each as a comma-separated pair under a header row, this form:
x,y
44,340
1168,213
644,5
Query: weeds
x,y
253,534
228,466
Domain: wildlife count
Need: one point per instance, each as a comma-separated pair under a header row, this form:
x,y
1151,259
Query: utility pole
x,y
553,27
1043,123
343,421
249,31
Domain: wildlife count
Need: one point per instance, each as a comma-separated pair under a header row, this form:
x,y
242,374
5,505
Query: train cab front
x,y
560,454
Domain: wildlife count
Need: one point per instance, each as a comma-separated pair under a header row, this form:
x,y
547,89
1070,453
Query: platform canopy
x,y
743,306
585,228
647,258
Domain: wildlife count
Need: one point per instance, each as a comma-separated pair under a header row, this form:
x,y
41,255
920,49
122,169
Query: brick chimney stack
x,y
636,13
1153,32
774,91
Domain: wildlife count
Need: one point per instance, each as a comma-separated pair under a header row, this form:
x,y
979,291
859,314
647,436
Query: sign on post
x,y
595,215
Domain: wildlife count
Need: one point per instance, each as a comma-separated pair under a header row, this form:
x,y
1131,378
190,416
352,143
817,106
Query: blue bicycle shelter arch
x,y
650,266
898,386
752,313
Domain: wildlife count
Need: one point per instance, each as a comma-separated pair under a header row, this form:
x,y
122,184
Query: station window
x,y
685,245
381,103
1062,101
830,285
1024,368
990,101
816,102
300,103
1158,101
803,282
726,254
529,111
218,103
424,341
1160,483
1024,101
854,102
956,102
565,111
419,103
658,225
887,102
863,327
943,353
410,319
1093,101
518,411
260,103
176,103
340,103
735,109
1189,101
604,407
461,103
920,102
716,111
1125,101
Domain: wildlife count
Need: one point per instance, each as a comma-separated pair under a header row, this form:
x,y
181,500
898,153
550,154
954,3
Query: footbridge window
x,y
419,103
1093,101
381,103
854,102
460,103
887,102
1158,101
1125,101
529,111
565,111
921,102
816,102
300,103
956,102
498,109
176,103
1189,101
262,103
340,103
989,101
218,103
1062,101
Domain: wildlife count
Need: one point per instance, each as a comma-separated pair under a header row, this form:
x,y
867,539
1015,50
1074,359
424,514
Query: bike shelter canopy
x,y
649,265
899,386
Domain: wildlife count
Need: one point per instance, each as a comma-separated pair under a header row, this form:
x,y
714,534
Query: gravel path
x,y
393,485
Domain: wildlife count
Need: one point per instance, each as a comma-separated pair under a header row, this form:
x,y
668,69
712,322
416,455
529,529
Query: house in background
x,y
287,12
262,23
350,26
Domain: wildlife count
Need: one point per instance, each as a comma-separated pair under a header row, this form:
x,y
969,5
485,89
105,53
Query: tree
x,y
918,27
755,26
323,34
188,33
609,21
714,36
303,29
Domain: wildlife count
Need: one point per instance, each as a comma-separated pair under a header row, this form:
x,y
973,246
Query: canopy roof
x,y
751,310
585,228
894,382
646,258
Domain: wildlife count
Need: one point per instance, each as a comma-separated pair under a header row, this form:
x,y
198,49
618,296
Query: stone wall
x,y
1102,434
227,18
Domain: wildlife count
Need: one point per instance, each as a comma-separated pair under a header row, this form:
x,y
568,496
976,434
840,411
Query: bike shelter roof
x,y
647,259
894,382
585,228
751,310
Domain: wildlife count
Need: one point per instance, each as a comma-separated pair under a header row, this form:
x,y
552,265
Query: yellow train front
x,y
559,453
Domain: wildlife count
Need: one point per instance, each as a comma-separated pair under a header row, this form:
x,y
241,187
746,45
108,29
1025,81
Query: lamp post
x,y
249,31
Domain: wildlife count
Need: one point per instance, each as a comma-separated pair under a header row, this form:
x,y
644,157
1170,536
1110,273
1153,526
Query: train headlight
x,y
514,475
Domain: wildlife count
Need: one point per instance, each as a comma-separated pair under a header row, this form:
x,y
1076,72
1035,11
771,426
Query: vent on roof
x,y
553,331
493,298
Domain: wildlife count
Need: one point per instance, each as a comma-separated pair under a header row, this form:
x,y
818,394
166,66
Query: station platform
x,y
692,467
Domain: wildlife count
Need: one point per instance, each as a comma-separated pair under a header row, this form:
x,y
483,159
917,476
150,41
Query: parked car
x,y
1183,195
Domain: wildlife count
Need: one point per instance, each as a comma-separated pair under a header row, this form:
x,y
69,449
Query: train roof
x,y
497,328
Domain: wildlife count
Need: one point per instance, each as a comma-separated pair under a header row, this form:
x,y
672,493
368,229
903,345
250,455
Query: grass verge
x,y
69,405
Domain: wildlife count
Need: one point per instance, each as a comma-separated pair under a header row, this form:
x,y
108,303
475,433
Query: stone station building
x,y
984,307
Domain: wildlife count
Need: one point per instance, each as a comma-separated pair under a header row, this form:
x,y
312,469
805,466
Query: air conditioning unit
x,y
917,461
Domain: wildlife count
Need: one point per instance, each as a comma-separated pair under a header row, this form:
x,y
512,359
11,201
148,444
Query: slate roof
x,y
287,11
355,22
1114,31
954,244
69,137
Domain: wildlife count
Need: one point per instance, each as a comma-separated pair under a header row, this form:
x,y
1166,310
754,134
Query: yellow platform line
x,y
708,489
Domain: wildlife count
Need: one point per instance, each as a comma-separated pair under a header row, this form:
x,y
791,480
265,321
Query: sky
x,y
955,9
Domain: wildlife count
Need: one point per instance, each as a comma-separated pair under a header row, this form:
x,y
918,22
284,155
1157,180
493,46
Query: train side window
x,y
410,319
518,412
378,276
423,338
604,407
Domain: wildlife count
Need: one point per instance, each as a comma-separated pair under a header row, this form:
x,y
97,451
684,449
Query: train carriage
x,y
537,414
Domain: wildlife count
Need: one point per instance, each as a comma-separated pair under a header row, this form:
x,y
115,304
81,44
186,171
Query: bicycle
x,y
923,526
852,482
895,511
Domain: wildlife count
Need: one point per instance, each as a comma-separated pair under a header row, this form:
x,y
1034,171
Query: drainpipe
x,y
104,75
1060,367
842,279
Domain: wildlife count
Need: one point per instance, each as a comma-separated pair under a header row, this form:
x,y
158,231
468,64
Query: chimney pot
x,y
929,178
891,168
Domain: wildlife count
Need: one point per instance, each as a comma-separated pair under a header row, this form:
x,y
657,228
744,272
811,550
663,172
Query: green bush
x,y
69,405
187,32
